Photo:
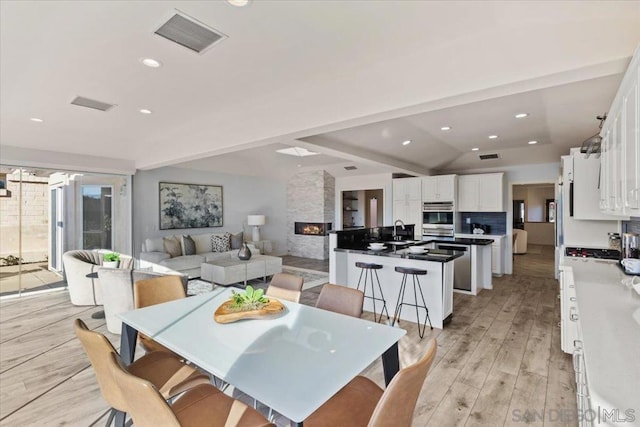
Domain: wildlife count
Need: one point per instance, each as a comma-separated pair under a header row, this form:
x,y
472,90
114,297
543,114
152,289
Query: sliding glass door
x,y
97,217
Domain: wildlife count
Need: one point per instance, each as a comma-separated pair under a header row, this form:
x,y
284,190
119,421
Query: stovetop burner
x,y
592,253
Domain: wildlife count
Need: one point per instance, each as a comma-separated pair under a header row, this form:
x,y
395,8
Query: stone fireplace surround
x,y
310,199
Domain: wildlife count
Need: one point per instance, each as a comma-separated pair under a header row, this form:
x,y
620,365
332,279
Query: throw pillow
x,y
220,242
154,245
172,246
203,242
236,240
188,245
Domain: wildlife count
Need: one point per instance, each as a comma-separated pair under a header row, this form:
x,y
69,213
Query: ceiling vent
x,y
189,33
350,168
488,156
92,103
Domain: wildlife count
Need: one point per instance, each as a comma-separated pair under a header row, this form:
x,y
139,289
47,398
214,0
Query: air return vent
x,y
189,33
350,168
92,103
488,156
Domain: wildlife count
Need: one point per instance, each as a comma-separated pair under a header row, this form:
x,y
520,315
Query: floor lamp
x,y
256,221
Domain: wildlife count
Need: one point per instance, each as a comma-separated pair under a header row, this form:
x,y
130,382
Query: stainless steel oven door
x,y
442,230
438,218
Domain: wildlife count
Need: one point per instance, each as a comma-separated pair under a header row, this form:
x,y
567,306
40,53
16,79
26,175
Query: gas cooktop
x,y
592,253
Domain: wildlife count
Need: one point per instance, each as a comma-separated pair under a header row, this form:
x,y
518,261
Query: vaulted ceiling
x,y
351,80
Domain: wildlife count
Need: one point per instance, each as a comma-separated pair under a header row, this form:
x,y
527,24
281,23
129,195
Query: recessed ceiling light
x,y
493,136
238,3
151,63
407,142
145,111
475,149
445,128
37,120
521,115
532,142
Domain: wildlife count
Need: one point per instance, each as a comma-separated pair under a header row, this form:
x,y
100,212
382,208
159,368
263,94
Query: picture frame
x,y
190,205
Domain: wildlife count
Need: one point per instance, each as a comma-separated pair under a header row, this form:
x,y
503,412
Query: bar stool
x,y
369,269
414,272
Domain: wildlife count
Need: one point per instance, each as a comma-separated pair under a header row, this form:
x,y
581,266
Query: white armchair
x,y
117,292
80,269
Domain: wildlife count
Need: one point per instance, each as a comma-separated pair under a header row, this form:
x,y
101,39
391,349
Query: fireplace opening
x,y
312,228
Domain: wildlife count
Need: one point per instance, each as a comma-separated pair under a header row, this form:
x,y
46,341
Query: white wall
x,y
242,195
366,182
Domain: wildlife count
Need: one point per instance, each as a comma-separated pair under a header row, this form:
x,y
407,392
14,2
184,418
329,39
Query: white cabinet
x,y
440,188
481,193
497,250
497,255
407,203
584,178
620,158
569,316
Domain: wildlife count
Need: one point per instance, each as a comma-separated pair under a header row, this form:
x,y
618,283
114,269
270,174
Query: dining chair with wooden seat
x,y
154,291
285,286
341,299
202,406
362,403
165,371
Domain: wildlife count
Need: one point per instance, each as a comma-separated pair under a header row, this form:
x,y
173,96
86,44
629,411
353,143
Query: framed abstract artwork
x,y
190,206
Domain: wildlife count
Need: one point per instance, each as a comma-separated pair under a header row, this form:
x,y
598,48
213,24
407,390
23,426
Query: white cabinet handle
x,y
573,316
572,298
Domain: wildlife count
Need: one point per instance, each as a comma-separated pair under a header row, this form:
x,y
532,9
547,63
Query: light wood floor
x,y
499,358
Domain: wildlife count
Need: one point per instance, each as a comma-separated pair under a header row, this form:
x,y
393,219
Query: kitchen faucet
x,y
395,234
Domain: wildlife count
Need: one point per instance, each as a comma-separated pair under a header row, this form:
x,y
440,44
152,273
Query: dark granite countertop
x,y
461,241
434,255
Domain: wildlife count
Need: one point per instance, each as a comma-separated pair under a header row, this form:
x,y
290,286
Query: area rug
x,y
312,278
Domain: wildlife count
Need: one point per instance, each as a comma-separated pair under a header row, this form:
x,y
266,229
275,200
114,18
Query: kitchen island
x,y
351,246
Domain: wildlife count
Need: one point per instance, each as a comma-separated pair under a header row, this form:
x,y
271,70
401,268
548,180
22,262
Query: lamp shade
x,y
256,219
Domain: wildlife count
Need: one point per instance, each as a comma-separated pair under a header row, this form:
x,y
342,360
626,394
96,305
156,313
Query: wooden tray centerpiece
x,y
250,304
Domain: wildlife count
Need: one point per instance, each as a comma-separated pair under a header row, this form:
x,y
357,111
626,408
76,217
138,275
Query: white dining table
x,y
292,364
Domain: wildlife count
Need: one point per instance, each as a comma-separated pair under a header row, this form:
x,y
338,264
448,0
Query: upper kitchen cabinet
x,y
620,158
407,189
481,193
582,175
407,202
440,188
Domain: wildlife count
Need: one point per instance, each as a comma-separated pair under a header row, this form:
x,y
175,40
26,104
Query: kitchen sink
x,y
401,242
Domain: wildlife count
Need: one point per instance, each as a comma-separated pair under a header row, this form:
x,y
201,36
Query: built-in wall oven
x,y
437,219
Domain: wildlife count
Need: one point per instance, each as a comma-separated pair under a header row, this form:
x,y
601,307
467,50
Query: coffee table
x,y
227,272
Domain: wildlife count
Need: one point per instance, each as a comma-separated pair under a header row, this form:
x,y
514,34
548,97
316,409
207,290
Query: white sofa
x,y
153,250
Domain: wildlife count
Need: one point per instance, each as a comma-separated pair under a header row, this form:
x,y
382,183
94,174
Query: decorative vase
x,y
110,264
244,253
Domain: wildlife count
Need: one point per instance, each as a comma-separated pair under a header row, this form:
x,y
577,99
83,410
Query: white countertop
x,y
609,314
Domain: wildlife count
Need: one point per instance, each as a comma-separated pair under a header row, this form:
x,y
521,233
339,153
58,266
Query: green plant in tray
x,y
111,256
250,299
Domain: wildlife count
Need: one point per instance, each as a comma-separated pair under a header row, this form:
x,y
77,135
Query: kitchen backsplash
x,y
631,226
496,220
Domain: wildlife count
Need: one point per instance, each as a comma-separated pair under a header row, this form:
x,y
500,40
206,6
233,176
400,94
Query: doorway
x,y
362,208
534,229
97,209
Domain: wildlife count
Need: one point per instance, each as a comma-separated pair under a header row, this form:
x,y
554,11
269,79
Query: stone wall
x,y
310,198
35,218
